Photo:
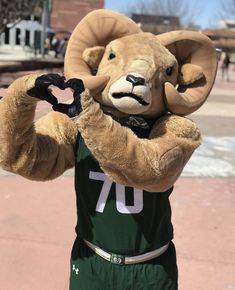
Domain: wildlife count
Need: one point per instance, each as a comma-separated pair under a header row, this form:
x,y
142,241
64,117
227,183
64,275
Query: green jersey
x,y
118,219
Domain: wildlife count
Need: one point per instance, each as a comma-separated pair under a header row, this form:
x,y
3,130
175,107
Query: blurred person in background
x,y
47,45
224,64
54,45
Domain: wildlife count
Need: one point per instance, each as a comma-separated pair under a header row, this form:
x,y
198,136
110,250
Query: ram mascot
x,y
125,133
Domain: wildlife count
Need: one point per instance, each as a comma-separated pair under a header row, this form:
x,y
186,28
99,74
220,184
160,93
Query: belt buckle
x,y
117,259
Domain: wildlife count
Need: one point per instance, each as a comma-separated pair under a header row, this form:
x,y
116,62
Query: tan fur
x,y
189,73
92,56
38,151
109,29
45,149
150,59
154,164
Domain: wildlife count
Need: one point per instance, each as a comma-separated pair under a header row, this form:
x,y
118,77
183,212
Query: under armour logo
x,y
76,270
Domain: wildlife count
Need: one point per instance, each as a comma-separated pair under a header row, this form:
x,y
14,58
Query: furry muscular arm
x,y
39,151
152,164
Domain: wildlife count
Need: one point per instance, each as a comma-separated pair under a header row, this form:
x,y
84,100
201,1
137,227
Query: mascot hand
x,y
41,88
75,108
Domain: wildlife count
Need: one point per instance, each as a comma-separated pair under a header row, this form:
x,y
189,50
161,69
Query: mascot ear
x,y
189,73
97,28
92,56
196,56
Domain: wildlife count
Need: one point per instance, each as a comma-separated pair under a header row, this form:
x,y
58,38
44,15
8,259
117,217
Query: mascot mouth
x,y
131,95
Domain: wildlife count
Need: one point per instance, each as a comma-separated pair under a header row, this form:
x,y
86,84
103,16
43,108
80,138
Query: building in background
x,y
63,15
25,33
66,14
60,19
156,23
223,37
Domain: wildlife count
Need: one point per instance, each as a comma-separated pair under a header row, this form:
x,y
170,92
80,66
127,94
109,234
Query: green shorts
x,y
91,272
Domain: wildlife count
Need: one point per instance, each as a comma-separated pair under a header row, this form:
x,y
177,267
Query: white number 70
x,y
120,195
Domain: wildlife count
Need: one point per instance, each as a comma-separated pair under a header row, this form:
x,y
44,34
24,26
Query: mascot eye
x,y
169,70
111,55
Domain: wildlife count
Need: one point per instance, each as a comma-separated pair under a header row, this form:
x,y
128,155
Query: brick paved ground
x,y
37,219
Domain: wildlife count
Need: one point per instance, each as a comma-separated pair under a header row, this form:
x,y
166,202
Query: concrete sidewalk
x,y
18,60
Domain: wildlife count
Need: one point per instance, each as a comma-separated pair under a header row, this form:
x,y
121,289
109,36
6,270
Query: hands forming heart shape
x,y
41,91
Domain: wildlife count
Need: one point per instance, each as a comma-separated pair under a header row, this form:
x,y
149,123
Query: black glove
x,y
75,108
41,90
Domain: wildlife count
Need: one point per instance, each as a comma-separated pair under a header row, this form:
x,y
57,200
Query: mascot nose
x,y
136,81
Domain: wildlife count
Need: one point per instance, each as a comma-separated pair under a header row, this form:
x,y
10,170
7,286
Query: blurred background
x,y
37,220
41,28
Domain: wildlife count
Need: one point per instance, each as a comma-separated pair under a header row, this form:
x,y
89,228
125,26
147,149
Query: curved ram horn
x,y
97,28
195,48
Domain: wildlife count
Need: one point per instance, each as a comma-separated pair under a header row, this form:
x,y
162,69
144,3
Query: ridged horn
x,y
97,28
195,48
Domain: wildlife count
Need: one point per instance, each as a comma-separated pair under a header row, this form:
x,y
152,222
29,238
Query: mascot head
x,y
130,72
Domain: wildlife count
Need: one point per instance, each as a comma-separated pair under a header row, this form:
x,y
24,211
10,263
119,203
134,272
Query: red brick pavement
x,y
37,230
203,215
36,233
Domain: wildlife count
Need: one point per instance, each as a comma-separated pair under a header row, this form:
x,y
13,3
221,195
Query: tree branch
x,y
12,11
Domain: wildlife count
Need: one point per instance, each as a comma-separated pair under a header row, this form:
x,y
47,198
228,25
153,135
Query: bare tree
x,y
227,9
178,8
12,11
225,13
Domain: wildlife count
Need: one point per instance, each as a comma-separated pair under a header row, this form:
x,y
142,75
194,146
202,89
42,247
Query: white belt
x,y
121,260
